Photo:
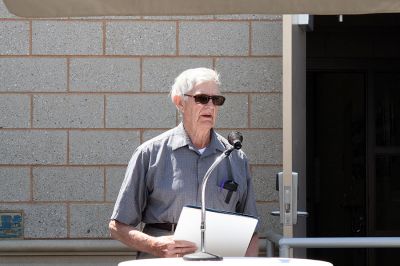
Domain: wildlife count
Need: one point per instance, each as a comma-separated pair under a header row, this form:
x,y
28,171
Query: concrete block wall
x,y
78,95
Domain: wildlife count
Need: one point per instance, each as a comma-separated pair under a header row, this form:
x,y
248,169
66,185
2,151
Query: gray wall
x,y
78,95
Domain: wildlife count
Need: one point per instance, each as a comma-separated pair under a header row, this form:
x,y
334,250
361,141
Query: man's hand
x,y
167,247
163,246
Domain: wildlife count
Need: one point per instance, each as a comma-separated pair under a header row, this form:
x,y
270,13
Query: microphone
x,y
235,138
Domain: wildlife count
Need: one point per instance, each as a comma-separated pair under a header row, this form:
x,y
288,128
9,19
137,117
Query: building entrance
x,y
353,134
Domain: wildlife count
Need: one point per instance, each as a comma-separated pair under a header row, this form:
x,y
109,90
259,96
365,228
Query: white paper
x,y
227,234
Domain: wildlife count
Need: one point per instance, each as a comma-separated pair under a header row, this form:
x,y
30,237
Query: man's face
x,y
199,116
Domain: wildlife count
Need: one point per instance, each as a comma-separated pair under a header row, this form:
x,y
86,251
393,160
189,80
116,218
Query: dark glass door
x,y
353,154
384,166
353,134
336,158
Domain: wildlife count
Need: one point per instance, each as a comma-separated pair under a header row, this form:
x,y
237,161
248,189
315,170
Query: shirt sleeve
x,y
248,202
132,196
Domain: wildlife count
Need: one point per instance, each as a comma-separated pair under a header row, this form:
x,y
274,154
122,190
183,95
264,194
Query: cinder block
x,y
141,38
266,110
267,221
264,146
98,259
261,146
68,111
264,180
68,184
114,178
140,111
159,73
152,133
90,220
213,38
15,184
234,112
15,111
67,37
42,220
14,37
33,74
250,74
266,38
105,74
102,147
33,147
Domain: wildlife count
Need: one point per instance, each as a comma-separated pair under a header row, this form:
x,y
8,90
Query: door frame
x,y
294,118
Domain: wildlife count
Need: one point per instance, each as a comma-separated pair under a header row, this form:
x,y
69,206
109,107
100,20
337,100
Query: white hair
x,y
190,78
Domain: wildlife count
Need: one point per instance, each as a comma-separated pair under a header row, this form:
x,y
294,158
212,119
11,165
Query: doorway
x,y
353,134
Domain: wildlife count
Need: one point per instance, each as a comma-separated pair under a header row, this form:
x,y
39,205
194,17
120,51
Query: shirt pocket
x,y
221,196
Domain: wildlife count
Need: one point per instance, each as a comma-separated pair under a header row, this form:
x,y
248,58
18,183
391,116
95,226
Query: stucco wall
x,y
78,95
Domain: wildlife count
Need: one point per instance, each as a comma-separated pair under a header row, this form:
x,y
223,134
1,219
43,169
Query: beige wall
x,y
78,95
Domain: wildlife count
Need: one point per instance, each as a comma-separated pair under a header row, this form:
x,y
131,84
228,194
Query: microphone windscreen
x,y
235,138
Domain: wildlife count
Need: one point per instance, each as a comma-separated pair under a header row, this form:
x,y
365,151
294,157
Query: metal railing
x,y
326,242
63,246
71,247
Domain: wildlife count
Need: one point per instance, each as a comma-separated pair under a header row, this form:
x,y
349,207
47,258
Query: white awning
x,y
73,8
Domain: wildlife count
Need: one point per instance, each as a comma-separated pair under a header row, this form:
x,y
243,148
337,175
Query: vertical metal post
x,y
284,251
269,248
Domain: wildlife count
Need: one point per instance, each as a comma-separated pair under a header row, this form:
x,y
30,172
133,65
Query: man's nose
x,y
210,102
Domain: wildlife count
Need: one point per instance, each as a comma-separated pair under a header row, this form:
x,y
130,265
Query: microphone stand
x,y
202,254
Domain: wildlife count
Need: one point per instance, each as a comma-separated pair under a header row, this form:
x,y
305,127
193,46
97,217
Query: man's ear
x,y
178,101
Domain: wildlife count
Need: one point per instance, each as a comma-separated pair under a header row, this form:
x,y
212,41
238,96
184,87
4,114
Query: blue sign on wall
x,y
11,225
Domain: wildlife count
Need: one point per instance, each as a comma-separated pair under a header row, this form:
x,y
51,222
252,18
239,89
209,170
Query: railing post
x,y
269,248
284,251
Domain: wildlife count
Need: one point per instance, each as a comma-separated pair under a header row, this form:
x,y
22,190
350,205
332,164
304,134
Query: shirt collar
x,y
180,139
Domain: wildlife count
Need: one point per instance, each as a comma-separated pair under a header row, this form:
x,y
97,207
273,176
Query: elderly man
x,y
165,173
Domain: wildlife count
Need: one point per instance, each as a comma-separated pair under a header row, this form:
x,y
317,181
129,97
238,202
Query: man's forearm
x,y
131,237
162,246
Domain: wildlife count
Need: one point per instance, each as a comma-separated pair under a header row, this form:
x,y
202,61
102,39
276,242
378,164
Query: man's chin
x,y
206,124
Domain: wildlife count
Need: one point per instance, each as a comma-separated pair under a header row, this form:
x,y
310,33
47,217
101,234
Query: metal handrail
x,y
328,242
63,246
337,242
271,239
69,246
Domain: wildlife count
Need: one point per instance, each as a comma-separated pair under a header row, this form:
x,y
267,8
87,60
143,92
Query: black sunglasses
x,y
217,100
